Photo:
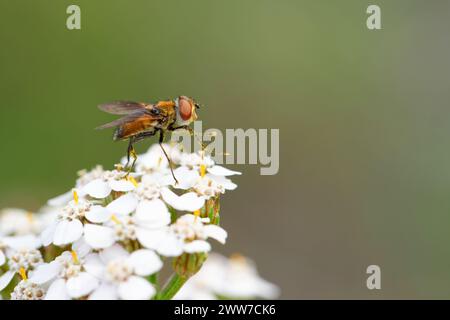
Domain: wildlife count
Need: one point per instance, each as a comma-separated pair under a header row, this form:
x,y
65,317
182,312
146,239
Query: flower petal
x,y
2,258
98,237
94,265
81,248
187,202
121,185
224,182
45,272
152,214
197,246
186,177
6,278
123,205
98,214
222,171
97,189
150,238
171,246
67,232
48,234
216,232
22,242
136,288
145,262
81,285
112,253
61,200
57,291
104,292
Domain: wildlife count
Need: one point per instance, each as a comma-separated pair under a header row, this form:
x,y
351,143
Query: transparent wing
x,y
123,107
127,119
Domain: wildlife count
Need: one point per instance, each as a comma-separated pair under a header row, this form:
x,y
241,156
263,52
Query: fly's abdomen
x,y
133,128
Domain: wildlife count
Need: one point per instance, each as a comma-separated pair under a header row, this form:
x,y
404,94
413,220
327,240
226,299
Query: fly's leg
x,y
191,131
161,139
130,153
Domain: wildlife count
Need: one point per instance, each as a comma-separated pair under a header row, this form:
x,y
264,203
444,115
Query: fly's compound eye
x,y
185,109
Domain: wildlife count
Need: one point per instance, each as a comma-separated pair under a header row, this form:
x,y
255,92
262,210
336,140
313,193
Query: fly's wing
x,y
141,115
121,121
124,107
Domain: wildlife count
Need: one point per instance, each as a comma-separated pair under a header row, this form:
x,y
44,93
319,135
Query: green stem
x,y
172,286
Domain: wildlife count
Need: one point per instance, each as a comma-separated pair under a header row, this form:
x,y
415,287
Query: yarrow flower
x,y
21,255
155,162
68,226
67,274
233,278
199,174
108,237
121,274
26,290
188,234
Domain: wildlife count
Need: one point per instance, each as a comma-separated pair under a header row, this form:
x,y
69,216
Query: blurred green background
x,y
363,117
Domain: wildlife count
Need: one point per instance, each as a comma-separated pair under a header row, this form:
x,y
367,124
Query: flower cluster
x,y
107,238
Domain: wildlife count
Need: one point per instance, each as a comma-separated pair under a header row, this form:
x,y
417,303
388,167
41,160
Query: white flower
x,y
68,226
25,290
109,181
242,280
67,274
19,222
151,214
235,278
199,174
21,255
14,243
97,183
195,161
152,188
121,274
188,234
84,178
155,161
148,220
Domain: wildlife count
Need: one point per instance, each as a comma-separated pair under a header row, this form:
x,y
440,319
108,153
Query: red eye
x,y
185,109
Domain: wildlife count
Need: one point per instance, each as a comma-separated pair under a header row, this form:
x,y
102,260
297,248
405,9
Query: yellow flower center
x,y
202,170
75,196
196,214
30,216
23,273
74,256
114,219
132,180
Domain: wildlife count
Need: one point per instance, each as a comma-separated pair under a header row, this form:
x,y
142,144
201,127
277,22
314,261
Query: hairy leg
x,y
161,139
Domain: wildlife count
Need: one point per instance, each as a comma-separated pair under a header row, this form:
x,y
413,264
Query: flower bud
x,y
187,264
211,210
